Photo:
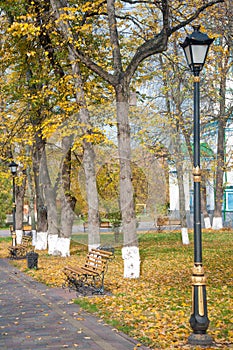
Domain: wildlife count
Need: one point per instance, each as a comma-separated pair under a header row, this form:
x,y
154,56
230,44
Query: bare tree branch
x,y
158,44
155,45
117,65
195,15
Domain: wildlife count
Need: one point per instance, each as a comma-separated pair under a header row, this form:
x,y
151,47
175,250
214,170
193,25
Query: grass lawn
x,y
155,309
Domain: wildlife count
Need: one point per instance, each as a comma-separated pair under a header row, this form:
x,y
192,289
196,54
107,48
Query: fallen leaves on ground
x,y
155,309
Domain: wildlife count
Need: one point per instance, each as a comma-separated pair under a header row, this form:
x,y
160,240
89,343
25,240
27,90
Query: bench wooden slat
x,y
80,271
94,263
102,253
90,271
93,267
24,228
27,228
26,240
166,221
86,269
174,222
102,224
105,224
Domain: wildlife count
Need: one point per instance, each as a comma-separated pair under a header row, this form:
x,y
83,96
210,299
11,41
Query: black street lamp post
x,y
13,166
196,47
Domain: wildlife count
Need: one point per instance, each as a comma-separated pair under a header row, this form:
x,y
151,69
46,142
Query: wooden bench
x,y
103,224
27,230
166,221
89,276
20,250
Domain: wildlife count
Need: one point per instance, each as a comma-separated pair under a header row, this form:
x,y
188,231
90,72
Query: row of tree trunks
x,y
119,78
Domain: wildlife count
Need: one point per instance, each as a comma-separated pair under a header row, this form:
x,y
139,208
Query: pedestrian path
x,y
78,229
34,316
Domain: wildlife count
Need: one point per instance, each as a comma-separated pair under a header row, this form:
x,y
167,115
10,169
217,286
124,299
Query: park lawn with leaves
x,y
155,309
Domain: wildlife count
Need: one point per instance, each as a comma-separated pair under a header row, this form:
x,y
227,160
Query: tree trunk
x,y
176,139
88,161
204,202
50,202
130,251
42,222
92,196
67,203
19,197
222,120
217,219
180,178
183,218
31,194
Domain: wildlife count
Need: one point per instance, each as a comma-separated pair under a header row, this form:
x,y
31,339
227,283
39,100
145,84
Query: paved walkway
x,y
34,316
77,229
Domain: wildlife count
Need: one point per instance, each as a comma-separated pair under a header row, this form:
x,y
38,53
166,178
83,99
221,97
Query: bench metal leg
x,y
84,286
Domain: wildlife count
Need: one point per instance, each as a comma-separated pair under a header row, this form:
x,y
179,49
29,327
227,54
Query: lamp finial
x,y
196,27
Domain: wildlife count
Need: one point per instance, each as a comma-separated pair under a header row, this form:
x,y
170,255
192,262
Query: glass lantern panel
x,y
13,169
187,52
199,53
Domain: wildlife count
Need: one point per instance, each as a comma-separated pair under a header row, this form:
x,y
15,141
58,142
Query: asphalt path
x,y
34,316
143,226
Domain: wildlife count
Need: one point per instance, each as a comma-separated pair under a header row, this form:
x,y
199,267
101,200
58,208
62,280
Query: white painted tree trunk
x,y
63,246
19,235
130,251
91,188
217,223
185,236
92,246
19,198
58,246
49,194
68,202
52,244
131,259
207,222
34,236
41,241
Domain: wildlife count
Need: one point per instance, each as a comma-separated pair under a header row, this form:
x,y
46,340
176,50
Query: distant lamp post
x,y
196,47
13,166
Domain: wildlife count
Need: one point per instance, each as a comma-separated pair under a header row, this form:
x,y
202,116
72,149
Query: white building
x,y
227,208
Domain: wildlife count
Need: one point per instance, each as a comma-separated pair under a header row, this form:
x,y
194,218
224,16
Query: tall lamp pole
x,y
196,47
13,166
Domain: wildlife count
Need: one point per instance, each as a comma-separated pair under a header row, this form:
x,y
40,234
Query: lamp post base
x,y
200,339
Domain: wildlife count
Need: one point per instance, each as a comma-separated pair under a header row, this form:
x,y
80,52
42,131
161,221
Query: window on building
x,y
229,201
